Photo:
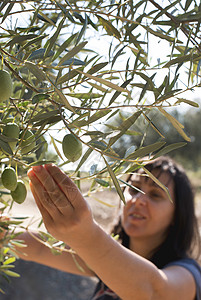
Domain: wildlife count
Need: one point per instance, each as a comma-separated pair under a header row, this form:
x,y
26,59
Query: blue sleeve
x,y
192,266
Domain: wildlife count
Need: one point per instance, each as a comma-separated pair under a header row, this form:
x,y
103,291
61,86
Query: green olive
x,y
9,178
72,147
12,130
20,193
6,85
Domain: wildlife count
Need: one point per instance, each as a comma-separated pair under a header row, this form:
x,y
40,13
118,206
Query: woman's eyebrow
x,y
158,188
133,182
133,186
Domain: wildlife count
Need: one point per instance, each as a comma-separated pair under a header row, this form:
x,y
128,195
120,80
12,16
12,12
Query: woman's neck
x,y
144,248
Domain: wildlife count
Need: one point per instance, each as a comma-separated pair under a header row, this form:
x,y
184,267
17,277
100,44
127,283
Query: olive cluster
x,y
26,137
14,185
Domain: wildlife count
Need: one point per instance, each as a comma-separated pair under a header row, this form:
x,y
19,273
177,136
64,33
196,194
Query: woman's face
x,y
148,215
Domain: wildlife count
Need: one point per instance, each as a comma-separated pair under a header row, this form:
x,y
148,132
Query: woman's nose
x,y
140,198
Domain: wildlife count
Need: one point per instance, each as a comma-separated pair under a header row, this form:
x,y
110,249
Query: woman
x,y
153,260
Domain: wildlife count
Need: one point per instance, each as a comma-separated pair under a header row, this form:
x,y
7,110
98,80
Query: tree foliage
x,y
77,64
143,133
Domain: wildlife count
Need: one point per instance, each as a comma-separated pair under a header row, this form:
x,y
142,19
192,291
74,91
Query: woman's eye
x,y
133,191
155,195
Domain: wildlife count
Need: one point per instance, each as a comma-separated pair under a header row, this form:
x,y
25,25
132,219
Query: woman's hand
x,y
65,212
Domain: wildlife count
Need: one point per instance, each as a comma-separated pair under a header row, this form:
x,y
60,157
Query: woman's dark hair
x,y
183,235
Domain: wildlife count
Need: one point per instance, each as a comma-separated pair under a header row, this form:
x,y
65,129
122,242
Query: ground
x,y
38,282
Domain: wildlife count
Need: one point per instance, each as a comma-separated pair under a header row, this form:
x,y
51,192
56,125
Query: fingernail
x,y
37,169
30,173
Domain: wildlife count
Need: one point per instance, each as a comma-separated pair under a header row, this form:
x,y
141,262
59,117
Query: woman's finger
x,y
68,187
43,200
54,191
45,214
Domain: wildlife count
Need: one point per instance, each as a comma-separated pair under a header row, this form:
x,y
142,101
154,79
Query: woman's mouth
x,y
137,216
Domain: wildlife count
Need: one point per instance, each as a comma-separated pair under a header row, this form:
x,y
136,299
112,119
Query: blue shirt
x,y
192,266
102,292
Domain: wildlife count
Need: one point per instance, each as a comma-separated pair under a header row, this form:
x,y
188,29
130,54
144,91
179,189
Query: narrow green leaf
x,y
153,126
33,41
147,79
143,151
95,133
131,186
97,67
52,40
80,268
56,148
169,148
96,116
117,55
145,88
39,97
35,70
182,59
18,39
137,59
98,144
84,158
2,291
115,181
64,46
187,4
102,182
117,93
9,260
41,162
6,267
5,147
170,117
99,87
73,61
61,7
68,76
157,182
85,96
51,120
39,54
62,96
124,127
105,82
8,10
44,116
111,30
11,273
190,102
19,244
45,18
178,126
189,17
72,53
160,34
3,4
83,29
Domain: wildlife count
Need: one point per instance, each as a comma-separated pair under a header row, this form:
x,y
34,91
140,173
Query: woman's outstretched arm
x,y
68,217
36,251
